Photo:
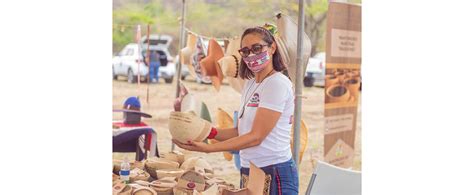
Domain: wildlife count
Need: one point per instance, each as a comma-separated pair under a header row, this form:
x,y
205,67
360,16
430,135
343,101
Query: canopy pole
x,y
148,62
181,46
298,85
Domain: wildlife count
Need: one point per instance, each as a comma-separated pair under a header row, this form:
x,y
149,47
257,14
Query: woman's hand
x,y
194,146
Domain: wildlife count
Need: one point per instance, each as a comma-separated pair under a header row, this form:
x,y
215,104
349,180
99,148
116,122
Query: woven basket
x,y
176,156
121,188
133,165
138,174
142,183
163,187
192,180
162,173
115,177
153,164
193,162
185,126
144,191
182,191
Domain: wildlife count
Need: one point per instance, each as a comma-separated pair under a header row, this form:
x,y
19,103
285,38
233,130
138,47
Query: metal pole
x,y
148,61
181,46
298,84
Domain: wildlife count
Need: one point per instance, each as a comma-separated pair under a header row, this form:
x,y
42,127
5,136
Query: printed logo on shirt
x,y
254,100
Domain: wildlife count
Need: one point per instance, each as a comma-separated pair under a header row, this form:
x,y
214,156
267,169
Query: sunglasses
x,y
255,49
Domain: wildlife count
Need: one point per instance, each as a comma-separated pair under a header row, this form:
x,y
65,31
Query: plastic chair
x,y
328,179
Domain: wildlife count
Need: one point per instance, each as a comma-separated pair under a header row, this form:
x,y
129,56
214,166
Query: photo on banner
x,y
342,82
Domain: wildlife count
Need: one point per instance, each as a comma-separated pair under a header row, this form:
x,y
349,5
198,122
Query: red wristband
x,y
213,133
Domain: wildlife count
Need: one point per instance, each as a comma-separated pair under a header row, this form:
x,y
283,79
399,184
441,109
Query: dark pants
x,y
284,178
154,68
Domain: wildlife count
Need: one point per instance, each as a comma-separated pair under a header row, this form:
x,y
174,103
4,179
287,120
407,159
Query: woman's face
x,y
251,39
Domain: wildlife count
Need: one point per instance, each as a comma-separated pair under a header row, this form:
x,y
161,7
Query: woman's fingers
x,y
191,143
184,146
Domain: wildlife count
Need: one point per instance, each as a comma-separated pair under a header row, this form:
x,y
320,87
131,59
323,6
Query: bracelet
x,y
213,133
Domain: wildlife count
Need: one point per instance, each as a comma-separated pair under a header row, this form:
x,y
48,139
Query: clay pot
x,y
330,80
353,85
352,75
340,75
338,93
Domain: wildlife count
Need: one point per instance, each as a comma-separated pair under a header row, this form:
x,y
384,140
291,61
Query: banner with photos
x,y
342,82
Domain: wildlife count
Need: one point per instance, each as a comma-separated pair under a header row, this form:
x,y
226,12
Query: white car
x,y
315,71
129,60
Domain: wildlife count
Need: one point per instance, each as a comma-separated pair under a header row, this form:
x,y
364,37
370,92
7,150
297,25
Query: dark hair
x,y
244,71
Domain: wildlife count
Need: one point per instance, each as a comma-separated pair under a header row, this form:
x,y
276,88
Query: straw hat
x,y
132,105
153,164
183,191
286,39
192,180
163,186
163,173
211,190
138,174
189,103
120,188
131,110
209,66
115,177
186,52
303,139
183,91
144,191
224,121
185,126
244,191
230,65
193,162
133,165
196,57
221,183
142,183
176,156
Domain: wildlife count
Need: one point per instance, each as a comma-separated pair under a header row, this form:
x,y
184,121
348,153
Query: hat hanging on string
x,y
209,66
185,54
197,56
286,39
229,65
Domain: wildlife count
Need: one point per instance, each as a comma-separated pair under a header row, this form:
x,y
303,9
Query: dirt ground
x,y
161,97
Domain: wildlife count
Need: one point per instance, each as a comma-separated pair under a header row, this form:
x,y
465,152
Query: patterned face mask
x,y
256,63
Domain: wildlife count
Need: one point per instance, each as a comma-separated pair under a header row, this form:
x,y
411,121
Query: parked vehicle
x,y
315,71
129,60
184,68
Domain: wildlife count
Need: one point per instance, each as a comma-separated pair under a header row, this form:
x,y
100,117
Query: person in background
x,y
154,66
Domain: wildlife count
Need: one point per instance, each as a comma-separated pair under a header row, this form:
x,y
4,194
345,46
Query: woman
x,y
265,118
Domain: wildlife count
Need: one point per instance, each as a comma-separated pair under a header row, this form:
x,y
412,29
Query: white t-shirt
x,y
274,93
